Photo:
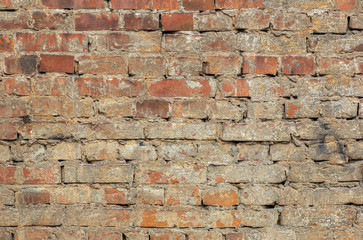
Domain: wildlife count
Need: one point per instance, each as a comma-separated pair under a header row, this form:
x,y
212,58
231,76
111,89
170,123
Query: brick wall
x,y
181,119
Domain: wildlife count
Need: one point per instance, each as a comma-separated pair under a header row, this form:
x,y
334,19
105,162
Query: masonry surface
x,y
181,119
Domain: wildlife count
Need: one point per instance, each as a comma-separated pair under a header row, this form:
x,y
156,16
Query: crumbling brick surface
x,y
181,119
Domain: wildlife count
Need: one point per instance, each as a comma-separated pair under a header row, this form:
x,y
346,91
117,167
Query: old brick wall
x,y
181,119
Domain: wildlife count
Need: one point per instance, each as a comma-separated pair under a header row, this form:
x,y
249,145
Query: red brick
x,y
34,196
298,65
56,63
6,43
25,64
252,4
73,4
132,4
14,86
180,88
147,66
40,175
63,42
236,88
52,21
223,65
196,5
5,4
105,235
260,65
7,174
115,196
94,22
14,20
220,197
102,64
109,87
177,21
223,4
345,4
13,108
152,108
165,4
141,21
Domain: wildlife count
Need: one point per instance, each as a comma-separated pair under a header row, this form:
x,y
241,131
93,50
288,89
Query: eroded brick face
x,y
181,119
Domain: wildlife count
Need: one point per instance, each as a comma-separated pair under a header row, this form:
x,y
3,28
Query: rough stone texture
x,y
181,119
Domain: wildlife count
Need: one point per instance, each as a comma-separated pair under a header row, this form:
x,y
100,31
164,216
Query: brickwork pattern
x,y
181,119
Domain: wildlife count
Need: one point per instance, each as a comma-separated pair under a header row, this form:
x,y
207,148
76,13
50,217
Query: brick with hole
x,y
56,63
96,22
260,65
141,21
177,21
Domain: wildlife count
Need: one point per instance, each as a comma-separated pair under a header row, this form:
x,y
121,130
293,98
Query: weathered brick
x,y
32,234
49,20
181,88
288,152
291,21
25,64
7,175
172,130
218,41
356,22
182,195
147,66
6,43
44,106
339,109
117,196
181,43
236,88
56,63
260,65
139,235
169,218
157,174
13,108
72,195
42,216
223,110
245,217
34,196
150,196
5,235
112,108
64,234
257,132
40,175
152,109
126,4
335,66
8,131
217,21
105,235
331,151
9,217
220,196
168,234
246,174
5,153
126,41
252,19
165,5
184,66
102,64
216,154
323,173
345,4
228,65
204,235
14,20
301,109
62,42
177,21
330,23
298,65
97,173
253,153
179,151
318,216
335,43
259,195
101,151
141,21
73,4
271,89
109,130
95,22
265,110
141,151
65,151
355,150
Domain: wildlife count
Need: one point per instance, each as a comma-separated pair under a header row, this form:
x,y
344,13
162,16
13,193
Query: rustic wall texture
x,y
181,119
